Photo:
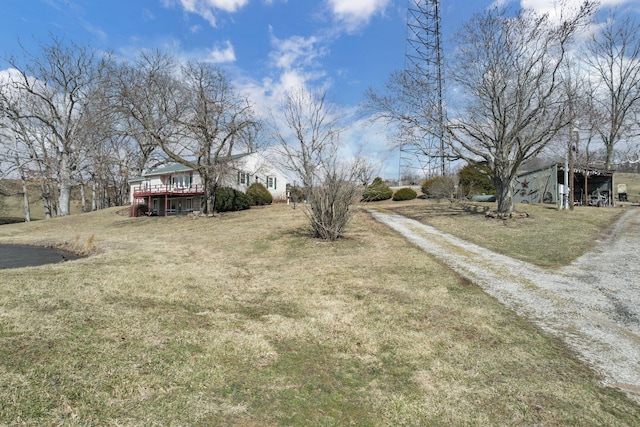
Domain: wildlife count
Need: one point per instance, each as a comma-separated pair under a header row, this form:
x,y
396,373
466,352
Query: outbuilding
x,y
590,186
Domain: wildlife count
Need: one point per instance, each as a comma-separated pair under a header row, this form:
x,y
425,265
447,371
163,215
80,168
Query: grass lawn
x,y
548,237
243,320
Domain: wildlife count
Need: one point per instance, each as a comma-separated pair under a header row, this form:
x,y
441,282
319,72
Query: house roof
x,y
167,169
177,167
560,166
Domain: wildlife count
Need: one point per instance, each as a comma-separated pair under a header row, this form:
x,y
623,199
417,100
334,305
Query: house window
x,y
269,182
182,180
188,204
243,178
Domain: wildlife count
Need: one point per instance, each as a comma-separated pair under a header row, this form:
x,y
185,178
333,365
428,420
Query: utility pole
x,y
571,169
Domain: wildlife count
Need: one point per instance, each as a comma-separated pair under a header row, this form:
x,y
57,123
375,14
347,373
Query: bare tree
x,y
24,146
12,155
191,112
506,71
305,130
330,200
54,86
613,58
406,102
307,137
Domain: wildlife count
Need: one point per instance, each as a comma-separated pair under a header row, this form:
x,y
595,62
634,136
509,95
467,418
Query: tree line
x,y
75,118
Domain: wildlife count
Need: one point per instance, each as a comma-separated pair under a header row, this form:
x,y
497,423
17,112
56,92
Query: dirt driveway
x,y
593,304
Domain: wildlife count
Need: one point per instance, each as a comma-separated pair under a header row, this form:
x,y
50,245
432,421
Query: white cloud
x,y
356,13
219,55
553,8
207,8
147,15
96,31
296,52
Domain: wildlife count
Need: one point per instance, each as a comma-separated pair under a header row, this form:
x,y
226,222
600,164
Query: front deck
x,y
167,190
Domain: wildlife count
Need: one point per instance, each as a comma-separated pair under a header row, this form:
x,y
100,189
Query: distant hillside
x,y
633,185
12,208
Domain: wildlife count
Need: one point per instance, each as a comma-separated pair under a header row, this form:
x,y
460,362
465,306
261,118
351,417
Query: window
x,y
269,182
188,204
243,178
183,180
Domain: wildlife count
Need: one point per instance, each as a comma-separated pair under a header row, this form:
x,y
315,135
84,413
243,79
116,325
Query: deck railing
x,y
169,189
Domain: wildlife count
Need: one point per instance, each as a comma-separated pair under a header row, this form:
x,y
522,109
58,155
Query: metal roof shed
x,y
590,186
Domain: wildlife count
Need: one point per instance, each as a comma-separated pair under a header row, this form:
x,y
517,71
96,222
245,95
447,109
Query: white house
x,y
176,189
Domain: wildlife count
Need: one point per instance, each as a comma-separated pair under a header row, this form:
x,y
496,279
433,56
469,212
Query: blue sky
x,y
267,46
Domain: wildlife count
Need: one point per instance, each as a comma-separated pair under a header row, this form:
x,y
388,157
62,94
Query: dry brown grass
x,y
548,237
244,320
633,185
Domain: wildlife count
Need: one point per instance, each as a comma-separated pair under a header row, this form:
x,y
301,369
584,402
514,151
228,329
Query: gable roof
x,y
177,167
172,168
168,169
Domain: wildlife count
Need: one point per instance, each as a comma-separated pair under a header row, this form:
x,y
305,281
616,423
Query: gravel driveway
x,y
593,304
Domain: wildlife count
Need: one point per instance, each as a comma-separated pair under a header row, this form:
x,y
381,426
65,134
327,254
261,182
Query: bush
x,y
228,199
330,206
378,190
404,194
295,193
475,179
259,194
439,187
141,210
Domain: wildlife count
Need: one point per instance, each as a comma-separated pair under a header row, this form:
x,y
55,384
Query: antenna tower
x,y
424,64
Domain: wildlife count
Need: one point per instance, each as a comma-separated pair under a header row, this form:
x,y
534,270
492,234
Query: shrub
x,y
475,179
295,193
259,194
228,199
404,194
378,190
141,210
330,205
440,187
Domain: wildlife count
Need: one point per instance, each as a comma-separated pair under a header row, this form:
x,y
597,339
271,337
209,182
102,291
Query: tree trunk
x,y
64,197
46,200
25,200
211,197
94,195
83,197
609,157
504,195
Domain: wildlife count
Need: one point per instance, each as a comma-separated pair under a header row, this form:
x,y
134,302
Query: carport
x,y
591,186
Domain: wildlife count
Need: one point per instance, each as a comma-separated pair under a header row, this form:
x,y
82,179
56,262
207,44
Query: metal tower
x,y
425,151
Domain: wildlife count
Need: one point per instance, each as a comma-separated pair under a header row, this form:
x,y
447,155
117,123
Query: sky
x,y
266,46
